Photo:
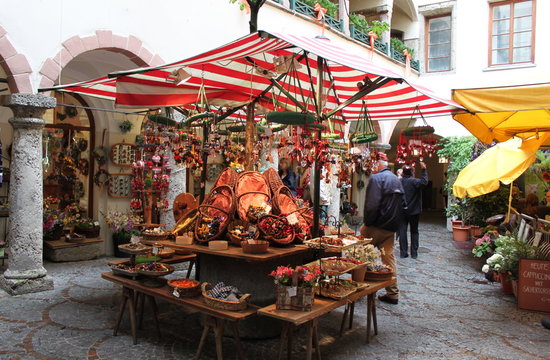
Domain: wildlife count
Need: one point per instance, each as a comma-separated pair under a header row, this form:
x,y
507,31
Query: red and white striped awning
x,y
238,72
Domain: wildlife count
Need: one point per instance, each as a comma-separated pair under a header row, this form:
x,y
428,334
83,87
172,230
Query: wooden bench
x,y
323,306
215,319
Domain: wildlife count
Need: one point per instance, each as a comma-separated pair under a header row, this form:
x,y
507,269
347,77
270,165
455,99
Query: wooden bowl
x,y
255,246
189,291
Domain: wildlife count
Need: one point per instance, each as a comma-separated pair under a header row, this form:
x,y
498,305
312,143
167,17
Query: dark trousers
x,y
407,220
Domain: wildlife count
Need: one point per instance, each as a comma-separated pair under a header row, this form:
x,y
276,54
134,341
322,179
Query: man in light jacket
x,y
384,206
413,194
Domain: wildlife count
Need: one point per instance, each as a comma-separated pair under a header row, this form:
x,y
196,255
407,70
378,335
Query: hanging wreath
x,y
418,130
125,126
84,167
101,177
364,132
201,119
100,155
363,138
163,120
236,128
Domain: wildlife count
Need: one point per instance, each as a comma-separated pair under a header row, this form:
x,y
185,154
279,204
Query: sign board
x,y
534,285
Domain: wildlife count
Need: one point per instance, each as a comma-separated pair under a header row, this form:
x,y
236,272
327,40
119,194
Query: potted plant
x,y
87,227
295,287
122,224
52,225
460,210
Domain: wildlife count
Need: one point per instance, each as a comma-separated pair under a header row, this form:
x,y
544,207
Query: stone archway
x,y
15,65
130,46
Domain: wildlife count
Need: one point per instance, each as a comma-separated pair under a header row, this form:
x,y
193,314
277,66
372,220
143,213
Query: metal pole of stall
x,y
205,151
318,166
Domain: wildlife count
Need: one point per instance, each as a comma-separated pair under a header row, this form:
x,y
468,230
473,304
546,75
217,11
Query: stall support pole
x,y
318,166
205,151
250,135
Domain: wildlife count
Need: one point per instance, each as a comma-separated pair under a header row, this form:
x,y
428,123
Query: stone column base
x,y
26,286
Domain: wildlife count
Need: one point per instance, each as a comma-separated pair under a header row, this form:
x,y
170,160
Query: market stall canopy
x,y
279,71
503,162
498,114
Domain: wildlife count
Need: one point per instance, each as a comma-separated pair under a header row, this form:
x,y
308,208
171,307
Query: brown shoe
x,y
387,299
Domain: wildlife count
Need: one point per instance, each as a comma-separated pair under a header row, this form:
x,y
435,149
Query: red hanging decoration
x,y
416,142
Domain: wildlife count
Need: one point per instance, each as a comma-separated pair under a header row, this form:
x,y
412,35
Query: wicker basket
x,y
269,237
252,189
227,177
235,240
155,237
223,304
258,247
273,179
186,222
221,195
379,276
186,291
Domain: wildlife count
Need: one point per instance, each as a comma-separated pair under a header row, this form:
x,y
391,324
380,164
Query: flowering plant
x,y
367,253
483,246
121,221
307,276
51,200
494,263
52,220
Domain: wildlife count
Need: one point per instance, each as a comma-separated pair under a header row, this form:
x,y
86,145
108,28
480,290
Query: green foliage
x,y
484,206
512,250
458,149
378,27
332,8
399,46
482,250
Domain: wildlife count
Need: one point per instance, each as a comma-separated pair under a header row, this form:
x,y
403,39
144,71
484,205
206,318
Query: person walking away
x,y
413,195
287,175
384,206
325,194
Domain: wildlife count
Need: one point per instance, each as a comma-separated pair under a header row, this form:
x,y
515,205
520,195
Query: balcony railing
x,y
307,10
364,38
396,55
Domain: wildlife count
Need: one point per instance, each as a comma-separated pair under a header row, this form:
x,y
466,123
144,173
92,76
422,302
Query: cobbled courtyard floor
x,y
446,310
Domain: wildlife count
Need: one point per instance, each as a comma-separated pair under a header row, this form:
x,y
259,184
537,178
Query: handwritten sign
x,y
534,285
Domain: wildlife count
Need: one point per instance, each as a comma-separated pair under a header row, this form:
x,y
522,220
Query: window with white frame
x,y
438,43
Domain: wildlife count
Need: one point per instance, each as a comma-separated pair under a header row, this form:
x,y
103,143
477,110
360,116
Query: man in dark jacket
x,y
384,205
413,195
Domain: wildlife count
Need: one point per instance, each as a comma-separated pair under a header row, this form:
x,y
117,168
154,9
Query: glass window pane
x,y
440,23
439,37
523,8
501,26
439,64
522,54
522,23
439,50
522,39
501,41
500,56
501,11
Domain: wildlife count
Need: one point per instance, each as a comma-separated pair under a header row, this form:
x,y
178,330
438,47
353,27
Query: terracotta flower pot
x,y
475,231
457,222
507,288
358,274
515,288
461,233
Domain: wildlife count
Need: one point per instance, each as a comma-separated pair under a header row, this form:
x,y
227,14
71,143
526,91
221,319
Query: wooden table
x,y
322,306
215,321
236,252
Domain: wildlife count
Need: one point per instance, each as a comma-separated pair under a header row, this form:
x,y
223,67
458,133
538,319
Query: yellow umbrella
x,y
504,163
504,112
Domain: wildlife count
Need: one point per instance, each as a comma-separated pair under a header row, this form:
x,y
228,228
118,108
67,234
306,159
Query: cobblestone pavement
x,y
446,310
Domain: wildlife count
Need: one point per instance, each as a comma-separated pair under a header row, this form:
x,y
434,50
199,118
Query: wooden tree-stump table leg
x,y
154,308
351,312
309,340
140,301
344,318
374,321
369,315
316,339
240,353
133,320
289,341
218,333
203,339
284,338
121,311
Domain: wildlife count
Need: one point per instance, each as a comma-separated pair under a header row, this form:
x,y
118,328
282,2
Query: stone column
x,y
385,12
25,272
